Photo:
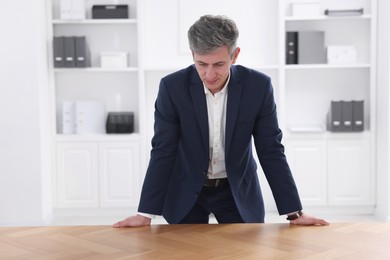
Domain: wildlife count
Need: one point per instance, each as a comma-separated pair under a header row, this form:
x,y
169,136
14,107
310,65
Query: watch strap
x,y
295,215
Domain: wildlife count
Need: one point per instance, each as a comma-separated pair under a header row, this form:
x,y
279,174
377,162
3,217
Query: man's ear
x,y
235,55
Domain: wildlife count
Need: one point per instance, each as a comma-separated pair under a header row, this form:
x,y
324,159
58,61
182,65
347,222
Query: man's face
x,y
214,68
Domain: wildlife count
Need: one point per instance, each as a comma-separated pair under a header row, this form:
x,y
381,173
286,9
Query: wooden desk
x,y
234,241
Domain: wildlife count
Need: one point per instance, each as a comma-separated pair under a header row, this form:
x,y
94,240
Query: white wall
x,y
178,15
25,192
383,109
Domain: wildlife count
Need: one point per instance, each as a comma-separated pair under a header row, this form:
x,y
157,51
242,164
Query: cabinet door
x,y
120,174
77,178
307,160
350,177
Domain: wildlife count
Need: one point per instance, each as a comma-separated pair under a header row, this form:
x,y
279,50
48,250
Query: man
x,y
205,118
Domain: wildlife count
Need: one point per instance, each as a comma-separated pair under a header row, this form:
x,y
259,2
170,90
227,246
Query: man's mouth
x,y
211,82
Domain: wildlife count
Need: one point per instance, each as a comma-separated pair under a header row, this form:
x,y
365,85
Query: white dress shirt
x,y
216,111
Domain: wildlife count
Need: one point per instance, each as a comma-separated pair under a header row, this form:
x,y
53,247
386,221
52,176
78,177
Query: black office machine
x,y
110,12
120,123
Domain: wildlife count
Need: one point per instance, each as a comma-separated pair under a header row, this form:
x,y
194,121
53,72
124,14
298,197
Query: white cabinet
x,y
351,180
336,172
119,174
98,174
307,160
77,175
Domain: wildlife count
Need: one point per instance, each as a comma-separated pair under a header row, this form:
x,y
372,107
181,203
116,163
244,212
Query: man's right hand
x,y
133,221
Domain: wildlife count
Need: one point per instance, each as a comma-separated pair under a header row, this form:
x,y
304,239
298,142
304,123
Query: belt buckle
x,y
216,183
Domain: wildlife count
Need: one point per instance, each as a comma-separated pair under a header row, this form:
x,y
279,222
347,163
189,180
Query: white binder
x,y
68,117
83,117
90,117
72,10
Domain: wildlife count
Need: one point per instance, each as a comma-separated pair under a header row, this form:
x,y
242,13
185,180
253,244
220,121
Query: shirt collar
x,y
223,90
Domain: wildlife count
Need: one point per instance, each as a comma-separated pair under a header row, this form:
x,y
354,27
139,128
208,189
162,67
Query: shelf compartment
x,y
97,137
325,18
328,66
94,21
94,69
308,95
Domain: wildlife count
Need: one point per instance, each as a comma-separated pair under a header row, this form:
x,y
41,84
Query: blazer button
x,y
204,173
197,193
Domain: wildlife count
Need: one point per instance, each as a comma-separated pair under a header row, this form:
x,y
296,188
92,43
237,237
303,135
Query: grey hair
x,y
210,32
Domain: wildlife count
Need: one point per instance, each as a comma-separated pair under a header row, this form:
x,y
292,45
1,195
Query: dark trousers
x,y
218,201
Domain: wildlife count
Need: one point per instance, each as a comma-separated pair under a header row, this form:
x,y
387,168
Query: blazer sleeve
x,y
164,147
270,151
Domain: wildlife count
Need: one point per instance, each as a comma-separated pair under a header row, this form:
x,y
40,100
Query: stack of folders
x,y
305,47
346,116
70,52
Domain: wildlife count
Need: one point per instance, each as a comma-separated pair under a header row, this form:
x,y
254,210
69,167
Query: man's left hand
x,y
306,220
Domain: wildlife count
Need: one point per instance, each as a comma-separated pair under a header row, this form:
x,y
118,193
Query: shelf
x,y
257,67
97,137
326,135
95,69
324,18
95,21
267,67
327,66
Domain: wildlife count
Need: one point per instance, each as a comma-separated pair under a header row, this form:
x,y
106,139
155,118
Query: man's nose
x,y
210,72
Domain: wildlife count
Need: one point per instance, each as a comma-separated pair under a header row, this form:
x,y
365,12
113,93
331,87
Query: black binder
x,y
58,52
291,47
335,117
347,111
81,52
69,52
358,116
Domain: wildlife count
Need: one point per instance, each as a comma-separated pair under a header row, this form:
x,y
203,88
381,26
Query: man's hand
x,y
133,221
306,220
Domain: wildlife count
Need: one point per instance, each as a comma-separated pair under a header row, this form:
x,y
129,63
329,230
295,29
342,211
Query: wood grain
x,y
214,241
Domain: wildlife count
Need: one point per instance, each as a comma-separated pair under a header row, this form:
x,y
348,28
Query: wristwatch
x,y
294,215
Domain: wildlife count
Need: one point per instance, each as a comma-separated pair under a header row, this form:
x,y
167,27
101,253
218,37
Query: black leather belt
x,y
214,183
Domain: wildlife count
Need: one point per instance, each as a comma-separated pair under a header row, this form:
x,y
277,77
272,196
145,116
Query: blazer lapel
x,y
232,107
200,107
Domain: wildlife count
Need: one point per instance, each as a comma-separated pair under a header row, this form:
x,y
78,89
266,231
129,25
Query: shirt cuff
x,y
151,216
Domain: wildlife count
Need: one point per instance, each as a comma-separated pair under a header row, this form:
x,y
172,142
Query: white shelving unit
x,y
98,171
332,170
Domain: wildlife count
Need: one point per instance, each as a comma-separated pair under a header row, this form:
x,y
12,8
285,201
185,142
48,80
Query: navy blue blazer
x,y
180,147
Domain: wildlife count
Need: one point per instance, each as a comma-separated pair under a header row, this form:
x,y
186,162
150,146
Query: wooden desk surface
x,y
216,241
